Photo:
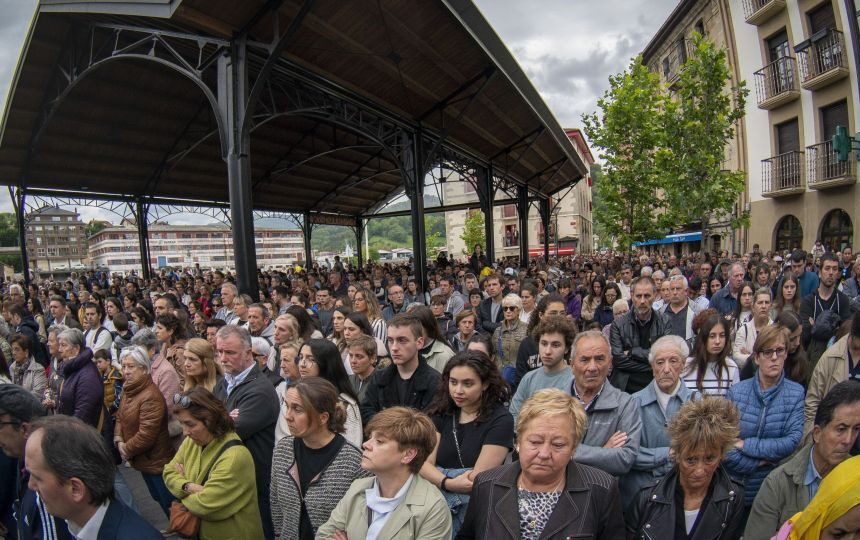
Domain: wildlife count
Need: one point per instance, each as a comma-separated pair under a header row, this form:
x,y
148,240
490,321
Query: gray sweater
x,y
538,379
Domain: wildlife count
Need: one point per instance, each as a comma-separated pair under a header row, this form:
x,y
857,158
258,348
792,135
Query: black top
x,y
498,429
677,322
403,386
311,462
680,516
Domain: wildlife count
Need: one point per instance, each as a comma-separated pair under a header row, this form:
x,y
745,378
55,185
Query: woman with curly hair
x,y
474,429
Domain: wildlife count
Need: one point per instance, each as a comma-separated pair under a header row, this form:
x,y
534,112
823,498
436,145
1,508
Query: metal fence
x,y
822,55
782,172
822,165
776,78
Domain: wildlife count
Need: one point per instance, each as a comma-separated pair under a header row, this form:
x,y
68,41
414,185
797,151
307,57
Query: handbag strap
x,y
227,446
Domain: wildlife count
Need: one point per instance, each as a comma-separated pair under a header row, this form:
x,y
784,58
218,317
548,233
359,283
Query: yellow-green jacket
x,y
227,506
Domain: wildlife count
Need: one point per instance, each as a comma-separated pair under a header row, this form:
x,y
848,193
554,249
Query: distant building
x,y
55,239
211,246
571,226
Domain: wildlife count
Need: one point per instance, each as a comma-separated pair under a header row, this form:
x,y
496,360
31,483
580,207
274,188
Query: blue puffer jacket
x,y
771,428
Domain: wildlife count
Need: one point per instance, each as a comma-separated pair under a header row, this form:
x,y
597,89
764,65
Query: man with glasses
x,y
253,404
18,409
396,302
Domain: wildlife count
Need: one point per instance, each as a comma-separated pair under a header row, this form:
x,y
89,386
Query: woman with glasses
x,y
697,498
314,466
771,409
212,474
320,358
508,336
604,315
140,434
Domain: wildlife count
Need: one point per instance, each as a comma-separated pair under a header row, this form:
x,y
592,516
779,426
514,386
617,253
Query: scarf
x,y
381,508
18,371
839,493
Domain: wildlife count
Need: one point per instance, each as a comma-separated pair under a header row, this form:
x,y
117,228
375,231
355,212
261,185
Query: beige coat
x,y
423,514
832,369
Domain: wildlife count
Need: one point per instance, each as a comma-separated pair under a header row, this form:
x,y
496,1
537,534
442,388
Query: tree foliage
x,y
473,232
664,147
383,233
93,227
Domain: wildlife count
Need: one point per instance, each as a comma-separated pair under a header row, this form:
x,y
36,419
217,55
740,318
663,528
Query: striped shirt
x,y
712,384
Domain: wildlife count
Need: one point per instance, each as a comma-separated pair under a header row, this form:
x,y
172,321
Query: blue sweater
x,y
771,427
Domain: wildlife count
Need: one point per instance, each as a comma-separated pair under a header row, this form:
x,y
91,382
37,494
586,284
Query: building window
x,y
55,218
509,211
837,231
512,236
700,27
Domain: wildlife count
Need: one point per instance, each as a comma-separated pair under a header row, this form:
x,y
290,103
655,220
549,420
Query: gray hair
x,y
73,337
512,299
230,286
646,271
763,290
139,355
57,329
588,334
658,273
145,338
679,277
242,334
260,346
617,304
673,343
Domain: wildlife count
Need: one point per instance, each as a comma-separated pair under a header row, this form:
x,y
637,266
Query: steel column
x,y
232,100
485,197
359,240
415,192
20,204
141,213
523,218
544,218
307,229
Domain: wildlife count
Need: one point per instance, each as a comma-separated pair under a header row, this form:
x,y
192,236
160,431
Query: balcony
x,y
822,59
825,171
782,175
776,83
758,11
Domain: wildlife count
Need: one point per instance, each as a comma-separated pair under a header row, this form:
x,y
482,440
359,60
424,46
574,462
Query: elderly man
x,y
631,337
18,410
658,403
726,299
791,486
229,292
611,439
73,472
281,334
259,322
679,311
253,403
396,302
261,350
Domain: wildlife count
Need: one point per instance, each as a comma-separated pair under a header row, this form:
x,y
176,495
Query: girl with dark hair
x,y
413,294
212,474
314,466
307,328
527,354
604,314
320,358
787,296
35,308
171,336
796,362
5,376
355,324
482,343
593,300
711,370
141,317
743,309
113,306
475,429
715,283
338,316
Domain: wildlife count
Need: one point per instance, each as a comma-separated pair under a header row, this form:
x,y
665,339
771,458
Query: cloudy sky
x,y
568,48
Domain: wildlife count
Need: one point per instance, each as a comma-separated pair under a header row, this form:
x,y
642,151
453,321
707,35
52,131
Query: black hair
x,y
844,393
497,392
330,364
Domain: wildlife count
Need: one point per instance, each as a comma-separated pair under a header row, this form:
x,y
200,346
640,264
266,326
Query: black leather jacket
x,y
627,356
652,515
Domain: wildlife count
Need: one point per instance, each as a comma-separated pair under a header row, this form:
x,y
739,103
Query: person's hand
x,y
180,469
744,350
459,484
234,414
48,403
193,488
122,452
340,535
739,444
617,440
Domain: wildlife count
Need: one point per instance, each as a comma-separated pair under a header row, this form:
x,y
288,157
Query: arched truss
x,y
159,212
123,210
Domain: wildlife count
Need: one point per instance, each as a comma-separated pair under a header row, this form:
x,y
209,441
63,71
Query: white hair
x,y
681,278
671,343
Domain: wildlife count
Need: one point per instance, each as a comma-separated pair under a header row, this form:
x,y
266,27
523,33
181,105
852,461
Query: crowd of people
x,y
604,396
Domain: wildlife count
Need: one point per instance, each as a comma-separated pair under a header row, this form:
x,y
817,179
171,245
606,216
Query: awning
x,y
673,239
538,252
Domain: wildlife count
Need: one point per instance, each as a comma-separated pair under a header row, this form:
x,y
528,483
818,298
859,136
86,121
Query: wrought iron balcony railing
x,y
782,174
822,59
823,170
776,83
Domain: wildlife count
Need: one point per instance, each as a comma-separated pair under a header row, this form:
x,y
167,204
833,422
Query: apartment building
x,y
55,239
666,54
211,246
801,58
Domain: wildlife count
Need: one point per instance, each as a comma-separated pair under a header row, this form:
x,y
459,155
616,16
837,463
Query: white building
x,y
211,246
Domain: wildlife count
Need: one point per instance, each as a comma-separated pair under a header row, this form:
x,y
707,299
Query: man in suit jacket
x,y
73,471
490,313
57,307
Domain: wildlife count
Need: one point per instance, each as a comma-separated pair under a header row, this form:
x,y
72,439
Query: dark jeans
x,y
158,490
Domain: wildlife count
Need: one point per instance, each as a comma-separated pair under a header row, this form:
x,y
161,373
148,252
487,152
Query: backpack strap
x,y
227,446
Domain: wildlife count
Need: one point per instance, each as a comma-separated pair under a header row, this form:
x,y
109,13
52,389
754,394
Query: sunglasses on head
x,y
182,401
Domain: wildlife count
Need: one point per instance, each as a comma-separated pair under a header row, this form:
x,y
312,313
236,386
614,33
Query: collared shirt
x,y
90,530
381,508
590,405
812,481
235,380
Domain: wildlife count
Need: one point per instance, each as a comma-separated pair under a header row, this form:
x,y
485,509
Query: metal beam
x,y
486,196
19,199
523,218
307,230
414,178
543,209
142,221
266,177
345,182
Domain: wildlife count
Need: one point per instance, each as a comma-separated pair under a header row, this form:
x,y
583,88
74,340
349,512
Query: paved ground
x,y
146,506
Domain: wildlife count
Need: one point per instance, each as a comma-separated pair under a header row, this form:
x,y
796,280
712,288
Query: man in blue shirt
x,y
726,299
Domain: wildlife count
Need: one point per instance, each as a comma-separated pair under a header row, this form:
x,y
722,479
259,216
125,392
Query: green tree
x,y
600,230
629,134
93,227
473,232
700,120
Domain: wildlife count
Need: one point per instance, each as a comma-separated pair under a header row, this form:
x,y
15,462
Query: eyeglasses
x,y
767,353
182,401
510,308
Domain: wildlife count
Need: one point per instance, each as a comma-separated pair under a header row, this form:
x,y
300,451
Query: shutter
x,y
787,137
821,18
832,116
778,47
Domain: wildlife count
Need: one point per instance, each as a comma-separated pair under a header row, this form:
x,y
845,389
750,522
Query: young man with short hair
x,y
408,381
824,310
490,313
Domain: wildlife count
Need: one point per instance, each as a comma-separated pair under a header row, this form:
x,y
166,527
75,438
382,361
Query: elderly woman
x,y
396,502
213,473
164,377
82,393
314,466
697,499
508,336
545,494
620,308
658,402
26,372
140,434
55,368
199,365
466,322
747,332
834,513
771,414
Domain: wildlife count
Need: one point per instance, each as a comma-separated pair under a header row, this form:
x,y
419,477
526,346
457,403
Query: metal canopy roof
x,y
118,97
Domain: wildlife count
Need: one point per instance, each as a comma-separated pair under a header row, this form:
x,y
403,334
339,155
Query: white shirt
x,y
235,380
90,530
381,507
